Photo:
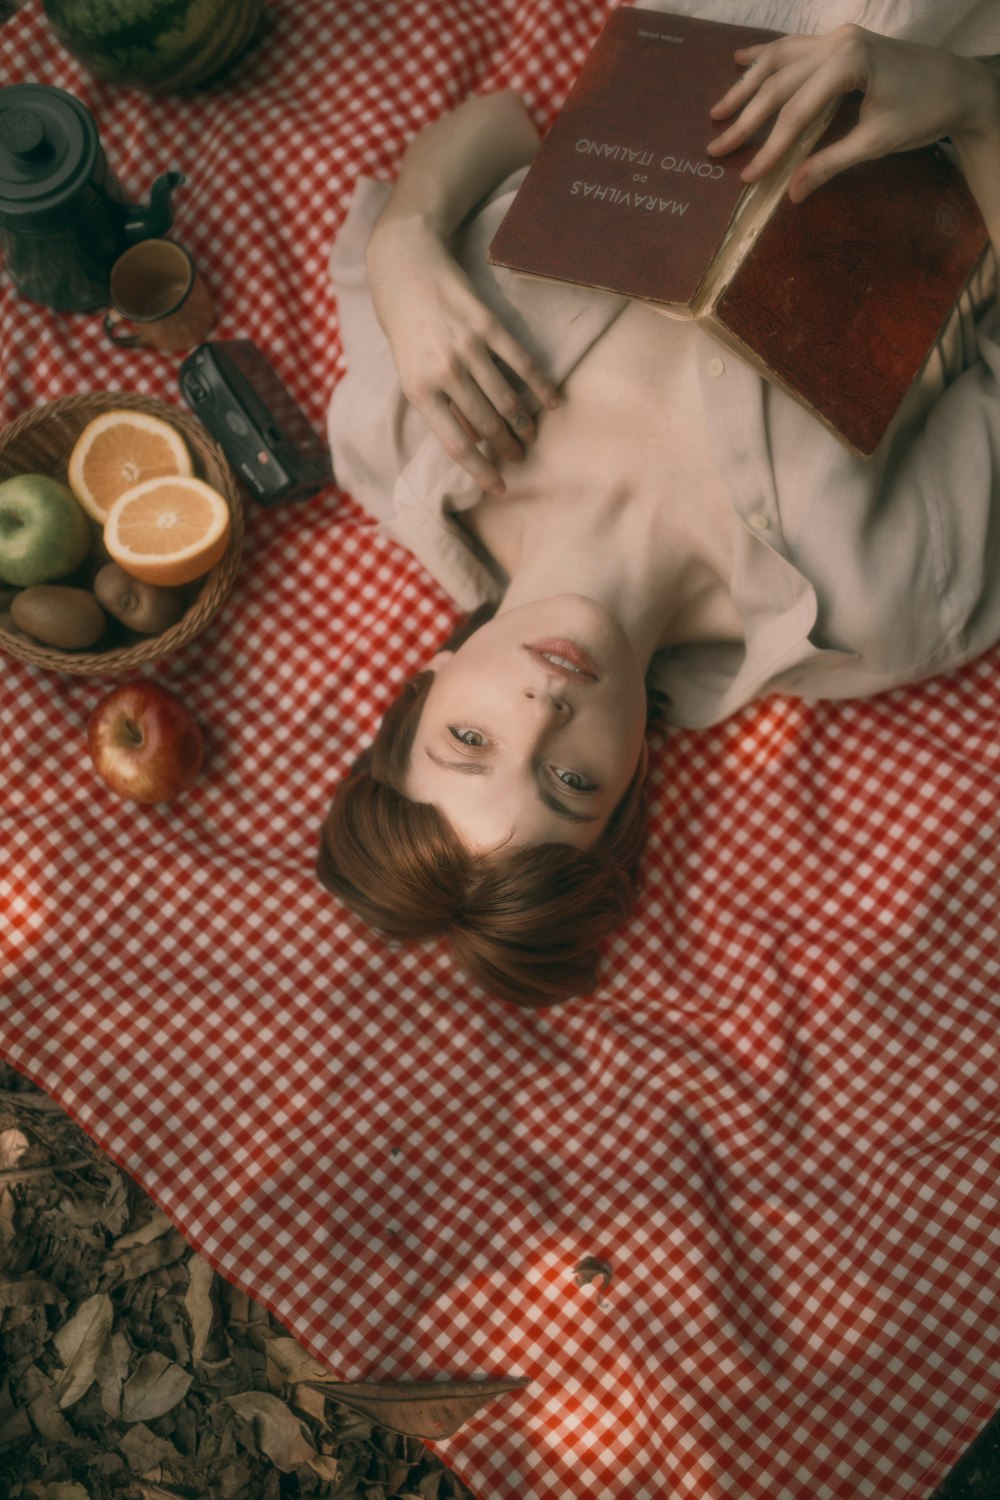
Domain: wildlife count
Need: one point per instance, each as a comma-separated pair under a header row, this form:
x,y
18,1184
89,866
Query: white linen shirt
x,y
850,575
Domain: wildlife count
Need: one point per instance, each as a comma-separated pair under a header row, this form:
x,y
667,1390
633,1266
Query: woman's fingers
x,y
520,363
913,95
460,441
821,166
794,95
484,417
496,409
795,101
469,416
506,403
793,81
459,366
476,404
488,408
759,63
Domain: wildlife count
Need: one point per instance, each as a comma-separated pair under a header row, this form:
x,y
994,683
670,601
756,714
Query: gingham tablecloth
x,y
776,1122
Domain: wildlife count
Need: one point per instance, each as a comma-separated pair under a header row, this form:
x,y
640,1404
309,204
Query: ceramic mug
x,y
155,286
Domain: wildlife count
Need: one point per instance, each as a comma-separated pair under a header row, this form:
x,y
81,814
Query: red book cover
x,y
622,194
841,297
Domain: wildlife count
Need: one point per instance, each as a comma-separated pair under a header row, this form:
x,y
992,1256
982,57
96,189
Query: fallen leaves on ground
x,y
133,1371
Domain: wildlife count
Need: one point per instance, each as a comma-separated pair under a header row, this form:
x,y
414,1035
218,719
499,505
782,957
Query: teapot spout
x,y
150,220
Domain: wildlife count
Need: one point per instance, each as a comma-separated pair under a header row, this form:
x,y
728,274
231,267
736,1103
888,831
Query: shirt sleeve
x,y
903,548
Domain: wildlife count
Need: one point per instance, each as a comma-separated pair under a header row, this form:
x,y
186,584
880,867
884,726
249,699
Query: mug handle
x,y
123,341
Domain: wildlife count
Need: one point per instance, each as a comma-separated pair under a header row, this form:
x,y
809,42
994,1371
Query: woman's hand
x,y
447,345
913,95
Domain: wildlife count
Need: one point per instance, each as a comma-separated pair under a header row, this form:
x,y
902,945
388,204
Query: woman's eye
x,y
471,737
573,780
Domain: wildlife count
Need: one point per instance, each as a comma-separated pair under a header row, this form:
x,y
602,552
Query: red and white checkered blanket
x,y
776,1122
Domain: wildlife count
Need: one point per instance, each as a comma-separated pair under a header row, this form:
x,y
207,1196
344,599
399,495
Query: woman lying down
x,y
640,509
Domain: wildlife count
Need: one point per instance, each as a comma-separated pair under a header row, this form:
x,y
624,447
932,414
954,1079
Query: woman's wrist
x,y
397,237
980,94
977,143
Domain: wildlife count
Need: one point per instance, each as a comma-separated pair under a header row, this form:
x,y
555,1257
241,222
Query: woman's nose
x,y
549,699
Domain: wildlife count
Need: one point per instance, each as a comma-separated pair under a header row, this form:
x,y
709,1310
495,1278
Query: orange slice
x,y
168,530
120,449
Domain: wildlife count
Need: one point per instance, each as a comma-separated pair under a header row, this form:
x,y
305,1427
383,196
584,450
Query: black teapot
x,y
64,216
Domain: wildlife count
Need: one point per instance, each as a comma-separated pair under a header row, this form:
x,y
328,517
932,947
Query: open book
x,y
838,300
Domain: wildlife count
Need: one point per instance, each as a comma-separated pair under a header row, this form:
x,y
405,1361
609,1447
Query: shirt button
x,y
715,366
759,521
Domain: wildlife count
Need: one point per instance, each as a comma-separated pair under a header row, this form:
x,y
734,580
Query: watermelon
x,y
155,44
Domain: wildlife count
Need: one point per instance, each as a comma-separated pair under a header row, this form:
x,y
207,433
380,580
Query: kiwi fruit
x,y
58,615
144,607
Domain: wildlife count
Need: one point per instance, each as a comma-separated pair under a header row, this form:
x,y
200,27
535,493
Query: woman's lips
x,y
565,659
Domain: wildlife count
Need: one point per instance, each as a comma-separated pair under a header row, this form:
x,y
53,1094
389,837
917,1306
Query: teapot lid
x,y
48,150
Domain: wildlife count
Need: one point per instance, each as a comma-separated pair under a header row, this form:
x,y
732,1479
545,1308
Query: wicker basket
x,y
40,442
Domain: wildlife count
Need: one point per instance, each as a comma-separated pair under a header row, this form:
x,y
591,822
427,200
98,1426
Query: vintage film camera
x,y
237,395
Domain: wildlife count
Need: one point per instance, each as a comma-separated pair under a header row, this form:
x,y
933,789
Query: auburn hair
x,y
525,923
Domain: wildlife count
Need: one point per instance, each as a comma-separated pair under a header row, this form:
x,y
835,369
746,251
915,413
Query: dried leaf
x,y
111,1372
136,1260
29,1098
39,1397
396,1472
240,1305
277,1431
202,1306
591,1269
425,1408
312,1406
8,1237
144,1450
235,1481
79,1344
295,1363
15,1424
59,1489
325,1466
176,1328
27,1291
109,1210
158,1224
155,1386
13,1145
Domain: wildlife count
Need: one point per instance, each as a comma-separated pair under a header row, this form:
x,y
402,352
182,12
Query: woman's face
x,y
532,730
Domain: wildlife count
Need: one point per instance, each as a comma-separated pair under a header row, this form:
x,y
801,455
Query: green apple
x,y
44,530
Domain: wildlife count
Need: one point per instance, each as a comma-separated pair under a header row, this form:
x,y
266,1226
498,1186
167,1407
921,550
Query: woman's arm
x,y
913,96
978,152
444,341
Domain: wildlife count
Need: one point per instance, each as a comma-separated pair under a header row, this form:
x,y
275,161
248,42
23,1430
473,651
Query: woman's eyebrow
x,y
566,812
463,767
477,768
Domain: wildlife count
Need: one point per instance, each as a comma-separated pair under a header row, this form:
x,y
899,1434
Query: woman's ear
x,y
438,661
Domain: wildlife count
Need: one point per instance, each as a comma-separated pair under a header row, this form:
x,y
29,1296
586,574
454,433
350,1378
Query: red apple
x,y
145,744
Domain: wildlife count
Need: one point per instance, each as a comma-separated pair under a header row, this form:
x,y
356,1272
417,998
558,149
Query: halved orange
x,y
120,449
168,530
